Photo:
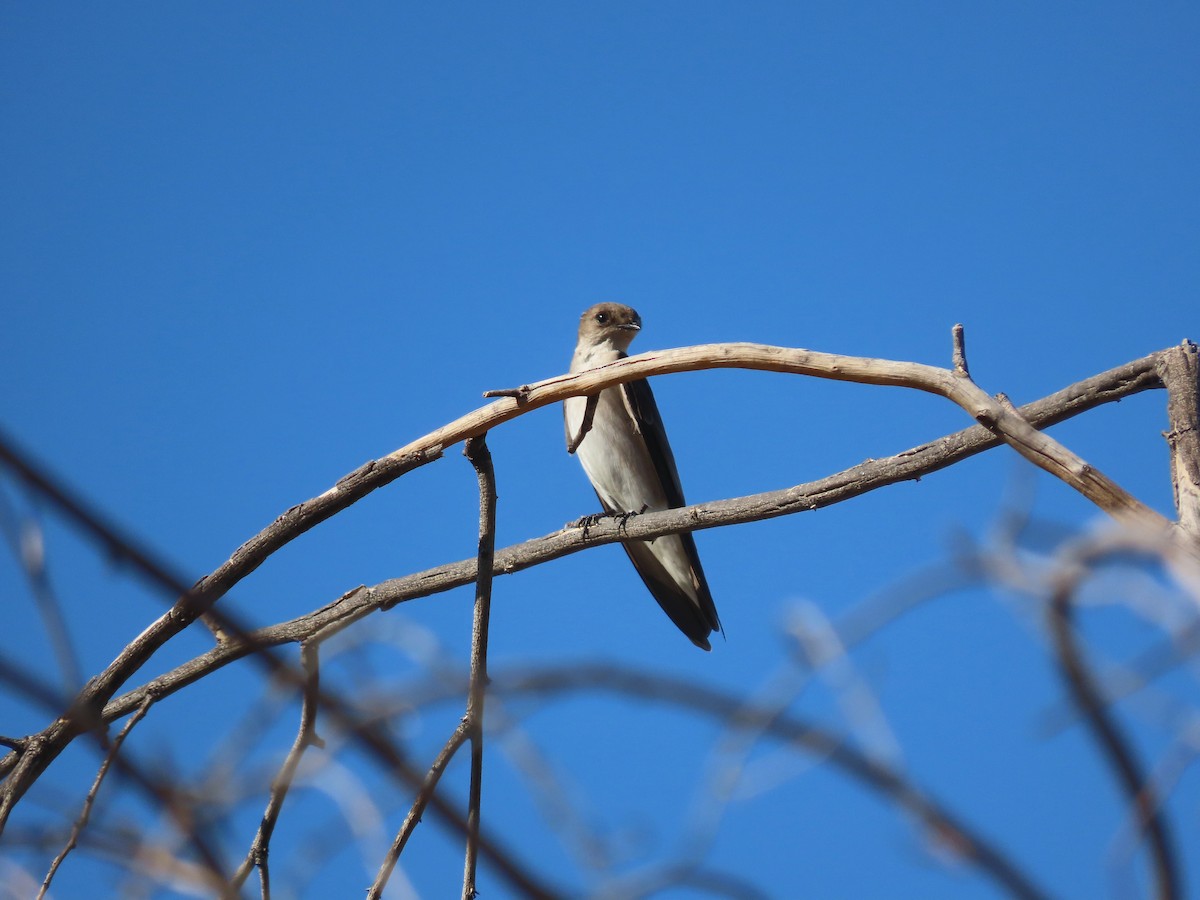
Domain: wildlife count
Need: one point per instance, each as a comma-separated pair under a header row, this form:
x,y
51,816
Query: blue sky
x,y
246,247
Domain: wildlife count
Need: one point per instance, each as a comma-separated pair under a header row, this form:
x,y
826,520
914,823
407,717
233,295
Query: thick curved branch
x,y
1133,377
83,713
1107,387
1014,428
954,385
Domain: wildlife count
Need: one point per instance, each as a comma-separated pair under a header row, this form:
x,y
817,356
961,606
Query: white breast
x,y
613,454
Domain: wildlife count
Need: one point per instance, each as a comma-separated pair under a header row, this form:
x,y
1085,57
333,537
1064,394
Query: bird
x,y
628,460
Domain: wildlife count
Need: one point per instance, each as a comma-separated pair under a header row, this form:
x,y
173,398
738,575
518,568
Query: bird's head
x,y
609,323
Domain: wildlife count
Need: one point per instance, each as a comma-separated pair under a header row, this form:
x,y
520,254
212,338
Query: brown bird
x,y
628,460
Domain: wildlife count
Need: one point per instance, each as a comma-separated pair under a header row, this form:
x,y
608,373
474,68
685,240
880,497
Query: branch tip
x,y
520,394
960,351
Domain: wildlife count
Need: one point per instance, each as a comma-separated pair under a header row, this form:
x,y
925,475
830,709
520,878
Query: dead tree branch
x,y
1143,799
732,711
1179,369
912,464
34,754
457,738
477,452
95,703
90,799
470,728
306,737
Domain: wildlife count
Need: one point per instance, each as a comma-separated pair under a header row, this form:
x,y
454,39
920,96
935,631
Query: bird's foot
x,y
623,518
586,522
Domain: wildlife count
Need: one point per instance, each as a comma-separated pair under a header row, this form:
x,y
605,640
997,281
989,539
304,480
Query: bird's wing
x,y
696,619
640,400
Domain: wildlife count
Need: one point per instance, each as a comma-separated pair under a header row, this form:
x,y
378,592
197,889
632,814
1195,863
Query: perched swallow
x,y
629,462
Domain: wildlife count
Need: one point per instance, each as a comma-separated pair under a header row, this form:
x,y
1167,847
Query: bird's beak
x,y
632,326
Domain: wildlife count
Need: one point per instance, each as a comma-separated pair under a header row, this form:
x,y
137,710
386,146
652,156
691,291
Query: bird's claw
x,y
586,522
622,519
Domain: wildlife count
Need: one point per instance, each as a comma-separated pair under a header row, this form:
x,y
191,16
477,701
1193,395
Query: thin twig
x,y
1142,797
90,799
83,715
306,737
456,740
477,452
191,603
28,760
471,725
518,393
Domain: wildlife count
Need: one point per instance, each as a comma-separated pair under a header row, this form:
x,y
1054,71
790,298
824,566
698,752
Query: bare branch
x,y
1123,381
471,726
732,711
306,737
22,769
1130,378
456,740
518,393
90,799
1092,704
1041,450
1179,369
959,357
477,452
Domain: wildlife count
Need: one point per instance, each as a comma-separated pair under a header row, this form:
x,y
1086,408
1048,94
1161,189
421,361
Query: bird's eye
x,y
601,318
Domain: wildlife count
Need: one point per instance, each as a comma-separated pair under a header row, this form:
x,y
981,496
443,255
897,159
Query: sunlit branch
x,y
873,474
